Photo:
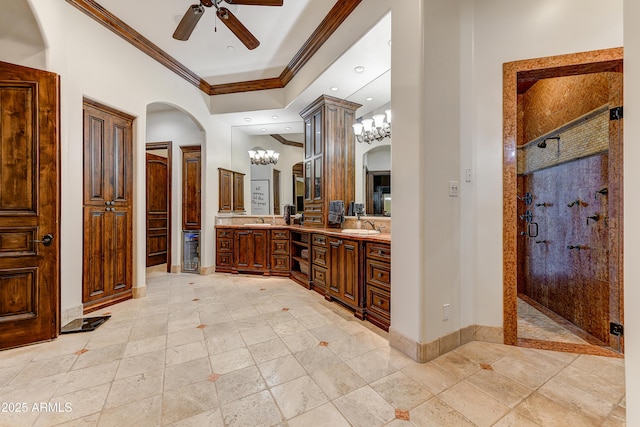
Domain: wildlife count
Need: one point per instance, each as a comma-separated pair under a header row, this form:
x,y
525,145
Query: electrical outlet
x,y
467,175
454,188
446,309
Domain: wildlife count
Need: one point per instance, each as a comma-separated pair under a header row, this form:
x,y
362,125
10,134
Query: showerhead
x,y
542,144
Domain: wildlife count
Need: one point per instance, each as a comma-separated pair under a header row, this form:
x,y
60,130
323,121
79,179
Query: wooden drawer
x,y
224,233
224,259
280,247
225,245
379,251
313,220
319,240
319,276
320,256
280,234
379,274
312,208
379,302
280,263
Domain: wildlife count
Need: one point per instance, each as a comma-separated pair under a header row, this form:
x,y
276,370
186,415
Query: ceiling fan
x,y
195,11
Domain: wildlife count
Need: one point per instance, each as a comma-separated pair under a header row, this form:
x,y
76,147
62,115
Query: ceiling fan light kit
x,y
194,13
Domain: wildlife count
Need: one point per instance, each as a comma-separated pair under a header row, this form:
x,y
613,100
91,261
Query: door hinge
x,y
615,113
616,329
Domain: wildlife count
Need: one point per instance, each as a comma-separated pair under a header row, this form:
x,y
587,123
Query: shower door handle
x,y
531,228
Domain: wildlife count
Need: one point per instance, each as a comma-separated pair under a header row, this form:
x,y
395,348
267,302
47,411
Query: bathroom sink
x,y
360,231
257,224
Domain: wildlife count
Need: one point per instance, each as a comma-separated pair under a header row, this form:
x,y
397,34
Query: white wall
x,y
175,126
95,63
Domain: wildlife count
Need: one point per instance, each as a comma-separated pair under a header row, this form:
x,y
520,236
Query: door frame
x,y
518,72
168,145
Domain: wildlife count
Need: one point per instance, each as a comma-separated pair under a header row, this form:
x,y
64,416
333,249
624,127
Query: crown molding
x,y
336,16
285,141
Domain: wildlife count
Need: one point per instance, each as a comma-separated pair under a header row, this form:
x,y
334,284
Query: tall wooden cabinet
x,y
230,191
329,156
107,211
191,188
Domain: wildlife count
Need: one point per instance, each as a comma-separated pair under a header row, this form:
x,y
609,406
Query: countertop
x,y
335,232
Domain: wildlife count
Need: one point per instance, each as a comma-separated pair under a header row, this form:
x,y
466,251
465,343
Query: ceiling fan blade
x,y
188,22
257,2
237,28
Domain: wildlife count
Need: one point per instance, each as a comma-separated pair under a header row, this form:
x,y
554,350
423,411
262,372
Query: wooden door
x,y
335,256
191,184
29,206
238,192
259,258
243,249
158,209
108,191
350,271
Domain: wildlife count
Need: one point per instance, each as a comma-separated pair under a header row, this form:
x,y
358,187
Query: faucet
x,y
261,220
371,223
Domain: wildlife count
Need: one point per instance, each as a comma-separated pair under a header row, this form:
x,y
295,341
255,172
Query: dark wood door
x,y
238,192
158,209
108,191
191,184
243,249
225,191
335,256
259,257
29,206
350,271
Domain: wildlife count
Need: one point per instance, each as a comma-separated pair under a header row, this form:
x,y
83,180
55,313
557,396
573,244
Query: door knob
x,y
47,239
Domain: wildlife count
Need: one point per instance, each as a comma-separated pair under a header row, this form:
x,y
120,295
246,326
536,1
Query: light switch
x,y
454,188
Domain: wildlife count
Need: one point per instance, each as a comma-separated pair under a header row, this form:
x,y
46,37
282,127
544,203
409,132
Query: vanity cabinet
x,y
320,263
230,191
250,250
279,252
224,250
377,278
237,200
344,284
329,146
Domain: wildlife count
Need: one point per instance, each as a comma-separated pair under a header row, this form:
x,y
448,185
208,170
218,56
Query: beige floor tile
x,y
7,374
365,408
281,370
474,404
436,413
482,352
88,421
430,376
185,353
300,341
499,387
372,365
268,350
188,401
211,418
186,373
287,328
514,419
457,365
145,345
298,396
186,336
258,335
223,363
135,388
80,379
143,413
223,343
328,333
44,368
548,413
101,356
135,365
337,380
256,410
38,390
323,416
238,384
79,403
348,347
401,391
317,358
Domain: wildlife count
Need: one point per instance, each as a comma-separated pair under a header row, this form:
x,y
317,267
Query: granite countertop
x,y
382,237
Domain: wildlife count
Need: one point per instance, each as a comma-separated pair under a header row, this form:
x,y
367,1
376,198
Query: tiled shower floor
x,y
533,324
236,350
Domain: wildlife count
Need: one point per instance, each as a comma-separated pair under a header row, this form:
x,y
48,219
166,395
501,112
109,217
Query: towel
x,y
336,212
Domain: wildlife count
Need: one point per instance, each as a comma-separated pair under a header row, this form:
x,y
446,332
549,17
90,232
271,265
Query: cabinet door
x,y
334,271
191,181
259,249
307,180
238,192
308,138
243,249
225,190
350,272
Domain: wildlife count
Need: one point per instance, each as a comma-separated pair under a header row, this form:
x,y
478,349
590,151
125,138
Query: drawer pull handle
x,y
379,275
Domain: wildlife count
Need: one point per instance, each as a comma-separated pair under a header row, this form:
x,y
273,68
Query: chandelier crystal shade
x,y
374,129
258,156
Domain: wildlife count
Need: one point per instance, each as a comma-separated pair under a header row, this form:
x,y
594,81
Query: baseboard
x,y
176,268
139,291
426,351
207,270
71,313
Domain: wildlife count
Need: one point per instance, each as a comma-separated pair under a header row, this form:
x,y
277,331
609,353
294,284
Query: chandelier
x,y
258,156
374,129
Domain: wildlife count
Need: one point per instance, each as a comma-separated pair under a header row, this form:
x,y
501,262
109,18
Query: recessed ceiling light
x,y
247,119
359,69
263,130
369,98
274,117
231,48
288,128
335,89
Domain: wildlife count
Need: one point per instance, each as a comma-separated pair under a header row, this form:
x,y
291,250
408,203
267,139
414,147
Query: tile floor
x,y
534,324
250,351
